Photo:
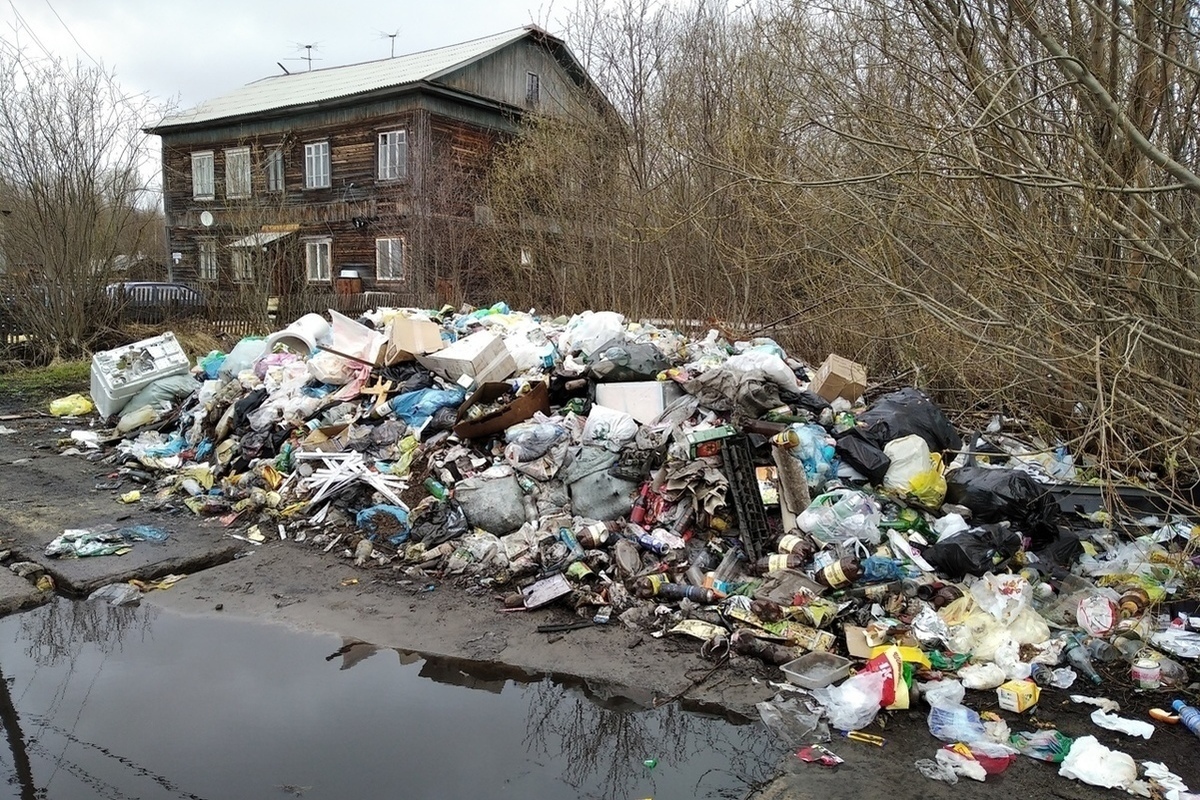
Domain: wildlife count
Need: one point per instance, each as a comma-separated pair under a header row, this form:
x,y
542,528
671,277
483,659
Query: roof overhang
x,y
269,233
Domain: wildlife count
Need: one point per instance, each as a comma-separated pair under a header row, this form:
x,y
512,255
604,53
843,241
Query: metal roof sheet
x,y
301,88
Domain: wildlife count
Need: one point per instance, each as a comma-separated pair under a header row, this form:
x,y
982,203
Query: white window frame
x,y
393,155
237,173
208,267
202,175
389,258
312,247
243,264
533,88
317,165
275,178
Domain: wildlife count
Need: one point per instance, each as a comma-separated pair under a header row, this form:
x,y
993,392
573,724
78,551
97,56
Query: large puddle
x,y
101,702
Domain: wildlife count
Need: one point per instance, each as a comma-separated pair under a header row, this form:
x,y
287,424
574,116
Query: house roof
x,y
330,83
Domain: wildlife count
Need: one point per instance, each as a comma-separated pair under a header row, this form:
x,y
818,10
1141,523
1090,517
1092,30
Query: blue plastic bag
x,y
386,521
415,408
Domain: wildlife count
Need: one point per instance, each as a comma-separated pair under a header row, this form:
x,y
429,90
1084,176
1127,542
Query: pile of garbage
x,y
687,487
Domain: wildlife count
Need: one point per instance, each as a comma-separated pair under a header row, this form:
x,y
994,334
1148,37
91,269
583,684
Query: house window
x,y
389,259
243,266
316,165
237,172
316,252
207,264
393,155
275,170
202,175
533,89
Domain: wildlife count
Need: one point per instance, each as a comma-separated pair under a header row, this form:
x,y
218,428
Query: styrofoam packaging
x,y
120,373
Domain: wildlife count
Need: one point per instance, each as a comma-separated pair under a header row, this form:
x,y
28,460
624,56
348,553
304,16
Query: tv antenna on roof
x,y
392,36
308,53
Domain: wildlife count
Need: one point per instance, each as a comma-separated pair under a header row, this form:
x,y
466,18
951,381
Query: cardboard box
x,y
840,377
1018,696
482,356
409,338
642,400
329,439
519,410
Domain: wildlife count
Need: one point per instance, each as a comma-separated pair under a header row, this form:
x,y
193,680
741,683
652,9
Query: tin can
x,y
1147,673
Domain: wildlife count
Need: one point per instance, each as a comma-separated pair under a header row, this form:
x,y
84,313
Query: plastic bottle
x,y
596,535
1187,715
796,544
880,568
435,488
638,514
776,562
1077,657
839,574
1042,675
674,592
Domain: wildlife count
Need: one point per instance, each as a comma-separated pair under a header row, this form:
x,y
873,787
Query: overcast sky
x,y
191,51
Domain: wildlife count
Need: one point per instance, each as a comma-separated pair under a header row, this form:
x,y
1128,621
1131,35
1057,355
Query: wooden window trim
x,y
402,158
403,258
328,165
203,244
318,240
212,174
230,154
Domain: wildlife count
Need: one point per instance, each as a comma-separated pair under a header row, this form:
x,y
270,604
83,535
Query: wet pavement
x,y
147,703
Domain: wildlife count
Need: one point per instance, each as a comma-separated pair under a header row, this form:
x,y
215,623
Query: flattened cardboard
x,y
519,410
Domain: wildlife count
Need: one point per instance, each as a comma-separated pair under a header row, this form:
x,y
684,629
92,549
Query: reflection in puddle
x,y
141,703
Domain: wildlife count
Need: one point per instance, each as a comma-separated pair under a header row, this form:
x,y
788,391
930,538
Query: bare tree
x,y
73,175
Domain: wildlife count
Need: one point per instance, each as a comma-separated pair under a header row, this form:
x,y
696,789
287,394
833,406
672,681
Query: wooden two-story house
x,y
365,177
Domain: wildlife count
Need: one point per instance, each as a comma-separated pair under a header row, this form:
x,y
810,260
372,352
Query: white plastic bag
x,y
586,332
1008,658
609,428
1002,596
981,676
910,457
943,693
775,368
854,703
1094,764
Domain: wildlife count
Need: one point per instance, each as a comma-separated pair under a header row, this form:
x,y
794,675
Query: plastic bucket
x,y
302,336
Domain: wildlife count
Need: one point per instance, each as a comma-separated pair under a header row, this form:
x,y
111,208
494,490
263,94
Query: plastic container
x,y
303,336
816,670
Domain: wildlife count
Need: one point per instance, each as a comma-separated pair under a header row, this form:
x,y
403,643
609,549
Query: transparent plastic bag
x,y
956,723
854,703
836,517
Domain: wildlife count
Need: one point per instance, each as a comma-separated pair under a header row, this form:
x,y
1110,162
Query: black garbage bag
x,y
806,400
979,550
622,360
996,494
1063,551
439,523
906,412
407,376
871,461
